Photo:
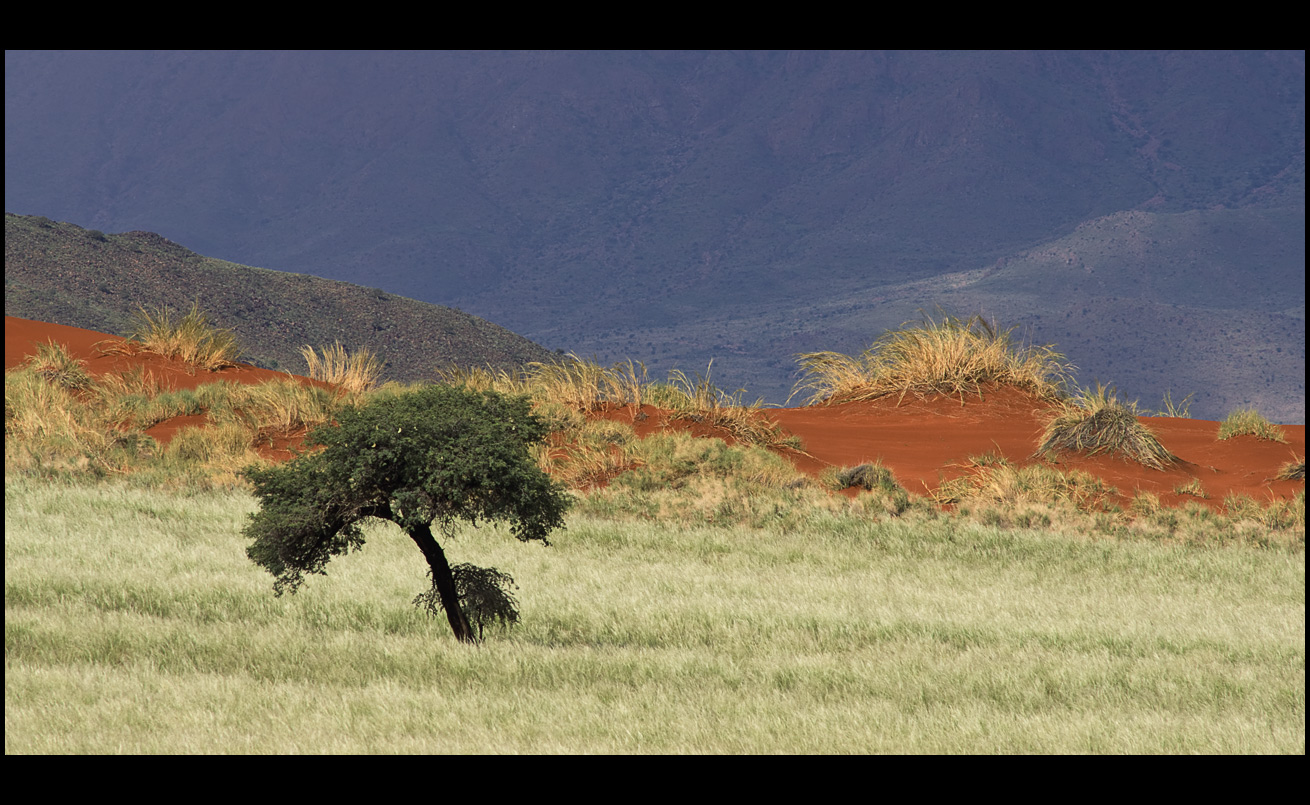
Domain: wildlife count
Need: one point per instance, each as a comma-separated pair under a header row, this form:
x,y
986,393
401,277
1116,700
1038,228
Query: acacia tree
x,y
439,456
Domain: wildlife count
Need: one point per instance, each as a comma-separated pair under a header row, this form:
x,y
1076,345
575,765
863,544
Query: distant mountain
x,y
61,273
678,207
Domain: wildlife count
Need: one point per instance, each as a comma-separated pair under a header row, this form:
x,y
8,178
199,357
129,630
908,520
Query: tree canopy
x,y
439,455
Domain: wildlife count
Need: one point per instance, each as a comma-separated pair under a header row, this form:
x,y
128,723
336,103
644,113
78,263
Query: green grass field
x,y
135,623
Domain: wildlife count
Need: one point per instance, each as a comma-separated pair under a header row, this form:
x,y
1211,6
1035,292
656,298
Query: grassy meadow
x,y
134,623
704,597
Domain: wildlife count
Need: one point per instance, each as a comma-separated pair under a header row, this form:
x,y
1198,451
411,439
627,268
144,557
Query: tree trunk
x,y
444,581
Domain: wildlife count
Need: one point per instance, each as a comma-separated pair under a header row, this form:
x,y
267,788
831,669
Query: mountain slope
x,y
61,273
678,207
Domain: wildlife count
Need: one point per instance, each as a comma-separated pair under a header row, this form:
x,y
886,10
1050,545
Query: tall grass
x,y
951,356
191,339
55,363
134,624
352,372
589,388
699,400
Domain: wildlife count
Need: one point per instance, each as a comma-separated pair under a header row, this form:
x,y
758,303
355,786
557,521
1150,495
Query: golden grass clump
x,y
352,372
995,481
478,378
1249,422
952,357
587,386
284,407
191,339
1097,422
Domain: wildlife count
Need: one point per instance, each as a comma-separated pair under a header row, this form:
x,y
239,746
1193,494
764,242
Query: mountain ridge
x,y
64,274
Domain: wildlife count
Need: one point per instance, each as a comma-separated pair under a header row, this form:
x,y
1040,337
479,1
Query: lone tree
x,y
439,455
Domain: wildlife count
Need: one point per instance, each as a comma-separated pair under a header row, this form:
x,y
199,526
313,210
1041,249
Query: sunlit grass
x,y
56,364
1096,422
135,624
191,339
952,356
353,372
1249,422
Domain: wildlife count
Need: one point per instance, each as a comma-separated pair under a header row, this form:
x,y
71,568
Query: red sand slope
x,y
922,441
22,337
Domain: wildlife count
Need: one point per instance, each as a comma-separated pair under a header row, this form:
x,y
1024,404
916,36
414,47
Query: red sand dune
x,y
923,441
22,336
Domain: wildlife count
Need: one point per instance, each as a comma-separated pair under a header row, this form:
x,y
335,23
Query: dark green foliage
x,y
439,455
484,595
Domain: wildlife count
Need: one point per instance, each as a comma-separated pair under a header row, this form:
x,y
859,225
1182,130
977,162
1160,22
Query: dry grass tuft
x,y
699,400
951,357
1293,470
995,481
1180,410
191,340
352,372
1097,422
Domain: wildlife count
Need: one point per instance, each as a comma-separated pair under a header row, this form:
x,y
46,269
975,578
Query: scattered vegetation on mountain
x,y
60,273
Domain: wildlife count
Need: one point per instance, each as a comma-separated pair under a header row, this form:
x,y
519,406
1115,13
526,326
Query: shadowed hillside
x,y
64,274
741,206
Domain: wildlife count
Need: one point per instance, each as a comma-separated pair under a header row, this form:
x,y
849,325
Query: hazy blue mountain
x,y
677,207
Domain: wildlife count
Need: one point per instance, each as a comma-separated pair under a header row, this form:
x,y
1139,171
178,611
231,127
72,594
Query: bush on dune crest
x,y
1250,422
952,357
191,339
1097,422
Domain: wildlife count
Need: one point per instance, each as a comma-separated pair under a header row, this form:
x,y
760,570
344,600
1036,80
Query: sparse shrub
x,y
1192,487
952,357
1097,422
1181,410
1249,422
483,593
